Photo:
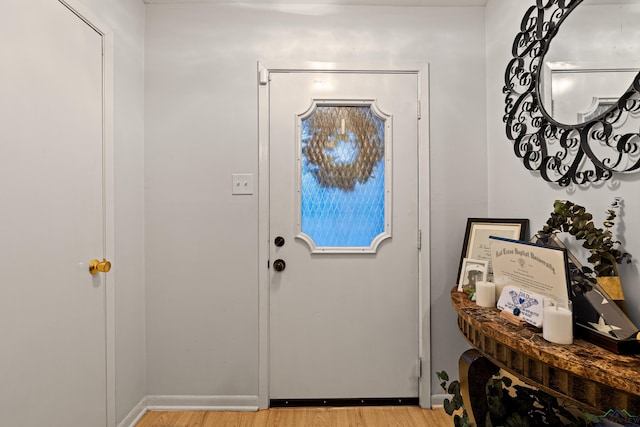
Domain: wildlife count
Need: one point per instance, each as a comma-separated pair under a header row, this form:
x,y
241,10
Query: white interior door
x,y
343,162
52,310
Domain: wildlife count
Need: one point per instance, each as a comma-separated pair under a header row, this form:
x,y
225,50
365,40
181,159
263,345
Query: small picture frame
x,y
476,244
472,271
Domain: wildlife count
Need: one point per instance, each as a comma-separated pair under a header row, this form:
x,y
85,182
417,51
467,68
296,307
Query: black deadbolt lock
x,y
279,241
279,265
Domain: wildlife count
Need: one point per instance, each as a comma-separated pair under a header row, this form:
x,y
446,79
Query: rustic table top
x,y
582,358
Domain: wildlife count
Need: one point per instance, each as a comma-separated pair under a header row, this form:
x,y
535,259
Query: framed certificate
x,y
476,244
542,270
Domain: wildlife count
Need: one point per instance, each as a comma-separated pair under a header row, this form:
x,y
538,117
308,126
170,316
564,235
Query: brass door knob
x,y
96,266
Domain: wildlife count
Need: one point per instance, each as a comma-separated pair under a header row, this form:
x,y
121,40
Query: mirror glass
x,y
591,61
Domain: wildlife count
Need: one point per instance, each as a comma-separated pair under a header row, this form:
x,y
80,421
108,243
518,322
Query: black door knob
x,y
279,241
279,265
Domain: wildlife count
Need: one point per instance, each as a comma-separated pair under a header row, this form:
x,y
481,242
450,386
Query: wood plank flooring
x,y
372,416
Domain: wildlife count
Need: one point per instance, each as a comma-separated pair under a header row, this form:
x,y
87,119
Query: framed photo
x,y
473,270
476,244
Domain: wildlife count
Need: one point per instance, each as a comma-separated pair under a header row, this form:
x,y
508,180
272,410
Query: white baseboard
x,y
189,403
134,415
202,403
437,400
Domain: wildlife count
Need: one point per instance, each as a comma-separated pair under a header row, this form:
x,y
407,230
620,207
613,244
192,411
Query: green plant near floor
x,y
528,407
513,405
455,405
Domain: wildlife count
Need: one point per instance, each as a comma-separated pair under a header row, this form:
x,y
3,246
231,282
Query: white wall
x,y
126,19
201,126
515,192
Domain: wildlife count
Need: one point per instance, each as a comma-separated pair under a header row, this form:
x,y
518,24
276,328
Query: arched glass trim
x,y
344,176
584,153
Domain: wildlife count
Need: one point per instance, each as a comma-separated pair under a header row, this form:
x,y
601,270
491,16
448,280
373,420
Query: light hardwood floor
x,y
385,416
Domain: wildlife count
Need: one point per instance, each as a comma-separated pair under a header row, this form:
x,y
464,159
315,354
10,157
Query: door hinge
x,y
263,76
419,240
419,367
419,110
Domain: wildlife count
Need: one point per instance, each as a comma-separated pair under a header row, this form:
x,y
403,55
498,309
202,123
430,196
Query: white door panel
x,y
52,311
344,325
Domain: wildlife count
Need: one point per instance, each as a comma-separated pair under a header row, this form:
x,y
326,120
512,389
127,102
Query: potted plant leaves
x,y
604,249
593,286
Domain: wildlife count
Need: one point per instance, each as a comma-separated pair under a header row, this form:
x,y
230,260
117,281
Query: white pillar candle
x,y
557,324
485,294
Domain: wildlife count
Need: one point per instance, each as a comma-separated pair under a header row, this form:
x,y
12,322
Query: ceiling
x,y
451,3
349,2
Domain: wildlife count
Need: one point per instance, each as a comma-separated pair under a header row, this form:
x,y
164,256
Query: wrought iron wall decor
x,y
583,153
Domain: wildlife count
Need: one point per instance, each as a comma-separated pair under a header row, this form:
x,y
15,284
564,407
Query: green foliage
x,y
521,406
513,406
575,220
454,406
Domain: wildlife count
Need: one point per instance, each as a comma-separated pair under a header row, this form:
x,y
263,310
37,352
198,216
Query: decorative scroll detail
x,y
585,153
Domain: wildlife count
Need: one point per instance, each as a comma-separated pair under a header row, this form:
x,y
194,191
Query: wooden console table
x,y
582,373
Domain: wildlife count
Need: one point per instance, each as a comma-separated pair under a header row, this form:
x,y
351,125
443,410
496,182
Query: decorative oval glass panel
x,y
344,183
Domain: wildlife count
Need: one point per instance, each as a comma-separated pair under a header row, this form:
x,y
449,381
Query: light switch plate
x,y
242,183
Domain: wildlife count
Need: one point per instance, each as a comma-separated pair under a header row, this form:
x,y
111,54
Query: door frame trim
x,y
424,269
108,194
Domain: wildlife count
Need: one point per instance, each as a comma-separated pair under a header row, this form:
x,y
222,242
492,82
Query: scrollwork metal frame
x,y
581,154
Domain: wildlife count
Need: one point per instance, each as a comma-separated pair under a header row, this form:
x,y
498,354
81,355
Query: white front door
x,y
343,236
52,310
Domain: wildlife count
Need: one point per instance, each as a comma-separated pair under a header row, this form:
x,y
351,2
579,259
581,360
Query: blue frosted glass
x,y
346,210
